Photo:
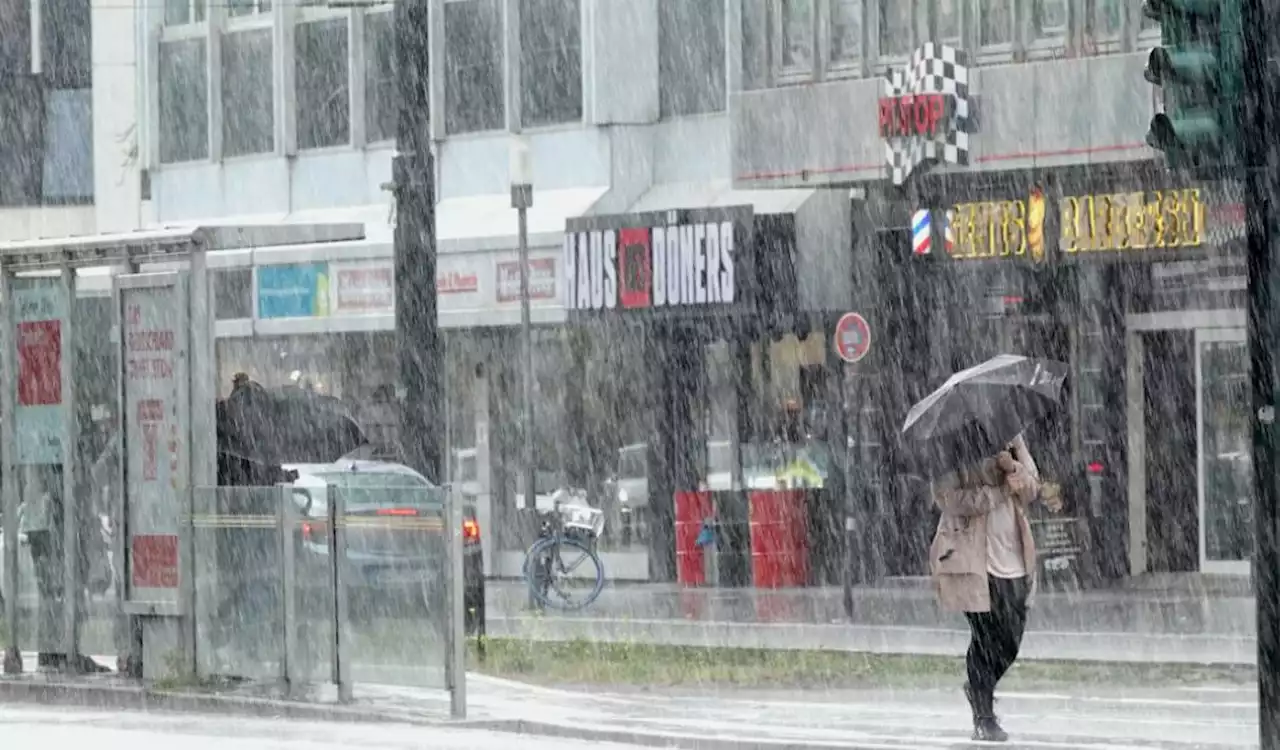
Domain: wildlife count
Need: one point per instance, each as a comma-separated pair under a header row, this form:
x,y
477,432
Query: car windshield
x,y
366,490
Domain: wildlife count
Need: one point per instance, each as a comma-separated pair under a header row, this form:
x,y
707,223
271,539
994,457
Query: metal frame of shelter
x,y
172,262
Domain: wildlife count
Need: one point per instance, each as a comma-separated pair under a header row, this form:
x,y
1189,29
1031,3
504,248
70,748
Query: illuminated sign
x,y
919,115
924,111
1108,222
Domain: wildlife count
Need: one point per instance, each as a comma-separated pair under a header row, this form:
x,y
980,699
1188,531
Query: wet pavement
x,y
1176,625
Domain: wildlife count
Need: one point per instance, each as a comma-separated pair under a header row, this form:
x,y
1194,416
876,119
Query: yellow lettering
x,y
1173,223
1070,241
1015,237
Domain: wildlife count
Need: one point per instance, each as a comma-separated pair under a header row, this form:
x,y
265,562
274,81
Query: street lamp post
x,y
521,199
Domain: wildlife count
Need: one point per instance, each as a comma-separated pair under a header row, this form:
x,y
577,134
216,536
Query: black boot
x,y
985,726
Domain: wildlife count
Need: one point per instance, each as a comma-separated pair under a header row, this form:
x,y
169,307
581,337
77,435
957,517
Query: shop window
x,y
181,12
995,25
379,78
550,62
65,29
322,95
895,28
690,57
233,293
247,122
238,8
474,80
846,33
184,97
797,36
68,146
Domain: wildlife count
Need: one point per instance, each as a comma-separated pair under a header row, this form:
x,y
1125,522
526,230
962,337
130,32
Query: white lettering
x,y
657,241
673,266
569,259
687,251
713,264
728,290
584,273
700,263
597,270
610,269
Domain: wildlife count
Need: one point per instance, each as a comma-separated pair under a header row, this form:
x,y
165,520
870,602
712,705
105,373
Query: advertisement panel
x,y
40,312
155,387
363,288
293,291
542,280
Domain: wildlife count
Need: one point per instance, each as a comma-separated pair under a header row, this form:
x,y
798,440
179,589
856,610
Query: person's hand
x,y
1051,496
1004,459
1019,482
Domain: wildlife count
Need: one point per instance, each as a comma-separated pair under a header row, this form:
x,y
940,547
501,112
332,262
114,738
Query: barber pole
x,y
921,230
949,232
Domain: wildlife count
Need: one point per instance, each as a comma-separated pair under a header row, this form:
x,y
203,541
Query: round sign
x,y
853,337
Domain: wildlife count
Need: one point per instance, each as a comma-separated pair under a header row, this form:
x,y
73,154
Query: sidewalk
x,y
1087,717
1100,625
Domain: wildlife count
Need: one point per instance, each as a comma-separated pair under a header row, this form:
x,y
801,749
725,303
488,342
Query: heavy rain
x,y
620,373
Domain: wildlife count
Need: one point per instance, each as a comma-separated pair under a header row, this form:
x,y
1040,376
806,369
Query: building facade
x,y
647,110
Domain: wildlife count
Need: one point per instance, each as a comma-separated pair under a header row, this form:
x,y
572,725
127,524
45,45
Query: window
x,y
846,31
68,146
550,62
895,28
322,93
20,163
179,12
995,22
15,42
949,22
1109,17
797,34
232,293
379,78
237,8
690,57
65,29
1049,19
473,66
184,101
247,121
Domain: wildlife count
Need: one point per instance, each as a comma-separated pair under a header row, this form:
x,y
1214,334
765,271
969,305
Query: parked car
x,y
393,561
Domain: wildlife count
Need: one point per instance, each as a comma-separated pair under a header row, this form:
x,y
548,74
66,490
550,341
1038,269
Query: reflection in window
x,y
379,76
995,22
895,28
1049,18
184,96
322,101
247,121
473,66
846,30
797,34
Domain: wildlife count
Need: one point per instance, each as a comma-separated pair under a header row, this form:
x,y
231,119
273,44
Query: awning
x,y
488,222
717,194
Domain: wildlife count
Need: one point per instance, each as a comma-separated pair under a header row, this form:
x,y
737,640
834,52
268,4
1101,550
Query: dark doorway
x,y
1169,402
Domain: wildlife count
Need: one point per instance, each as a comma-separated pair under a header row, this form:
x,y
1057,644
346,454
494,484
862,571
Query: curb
x,y
652,739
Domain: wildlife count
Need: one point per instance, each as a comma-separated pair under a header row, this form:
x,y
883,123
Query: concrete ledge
x,y
656,739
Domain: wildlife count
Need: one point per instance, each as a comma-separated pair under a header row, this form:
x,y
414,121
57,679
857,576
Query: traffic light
x,y
1199,68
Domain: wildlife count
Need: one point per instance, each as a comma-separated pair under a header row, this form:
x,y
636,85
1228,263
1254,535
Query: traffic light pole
x,y
1260,189
419,347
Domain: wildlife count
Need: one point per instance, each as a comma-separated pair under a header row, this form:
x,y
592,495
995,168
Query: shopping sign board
x,y
155,386
924,112
697,261
40,313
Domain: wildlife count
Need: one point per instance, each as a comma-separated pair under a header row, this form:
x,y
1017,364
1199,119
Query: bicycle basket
x,y
582,518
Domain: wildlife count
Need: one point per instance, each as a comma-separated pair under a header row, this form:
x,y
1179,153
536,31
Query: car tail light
x,y
313,531
470,531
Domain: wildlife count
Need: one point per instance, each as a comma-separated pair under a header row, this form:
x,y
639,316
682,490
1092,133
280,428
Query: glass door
x,y
1225,462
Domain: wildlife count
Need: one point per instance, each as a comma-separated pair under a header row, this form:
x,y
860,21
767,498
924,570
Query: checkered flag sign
x,y
933,69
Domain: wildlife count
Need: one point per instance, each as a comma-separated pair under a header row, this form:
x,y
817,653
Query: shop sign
x,y
542,280
457,282
924,112
293,291
1108,222
687,260
40,312
363,289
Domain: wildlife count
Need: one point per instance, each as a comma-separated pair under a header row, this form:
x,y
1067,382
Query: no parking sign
x,y
852,338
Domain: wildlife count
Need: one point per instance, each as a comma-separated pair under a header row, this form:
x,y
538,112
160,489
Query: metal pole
x,y
846,466
9,485
1259,189
521,200
71,510
286,525
455,660
337,542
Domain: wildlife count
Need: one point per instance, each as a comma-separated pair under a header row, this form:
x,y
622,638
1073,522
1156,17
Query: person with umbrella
x,y
983,556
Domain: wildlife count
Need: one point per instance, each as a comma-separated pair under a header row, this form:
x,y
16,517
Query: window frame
x,y
179,35
989,54
360,76
849,67
722,105
192,20
519,95
320,14
253,24
1054,46
1095,45
886,61
503,68
782,73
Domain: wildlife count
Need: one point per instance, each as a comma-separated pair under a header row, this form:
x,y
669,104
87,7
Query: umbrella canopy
x,y
285,425
979,410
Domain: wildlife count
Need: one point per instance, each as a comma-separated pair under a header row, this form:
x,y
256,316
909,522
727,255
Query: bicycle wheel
x,y
571,573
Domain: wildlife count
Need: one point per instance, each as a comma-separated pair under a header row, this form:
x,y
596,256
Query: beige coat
x,y
958,555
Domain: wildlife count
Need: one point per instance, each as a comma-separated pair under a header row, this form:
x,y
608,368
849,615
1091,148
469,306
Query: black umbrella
x,y
285,425
979,410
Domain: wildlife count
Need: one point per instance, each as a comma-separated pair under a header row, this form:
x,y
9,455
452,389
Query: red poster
x,y
40,363
634,268
155,561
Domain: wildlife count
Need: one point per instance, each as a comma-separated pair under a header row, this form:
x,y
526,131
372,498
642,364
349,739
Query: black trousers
x,y
996,638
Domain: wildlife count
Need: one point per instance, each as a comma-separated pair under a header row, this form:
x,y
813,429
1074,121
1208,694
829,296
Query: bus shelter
x,y
110,391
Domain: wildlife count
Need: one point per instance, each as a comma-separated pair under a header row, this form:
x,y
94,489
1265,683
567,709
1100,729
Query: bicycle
x,y
566,540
